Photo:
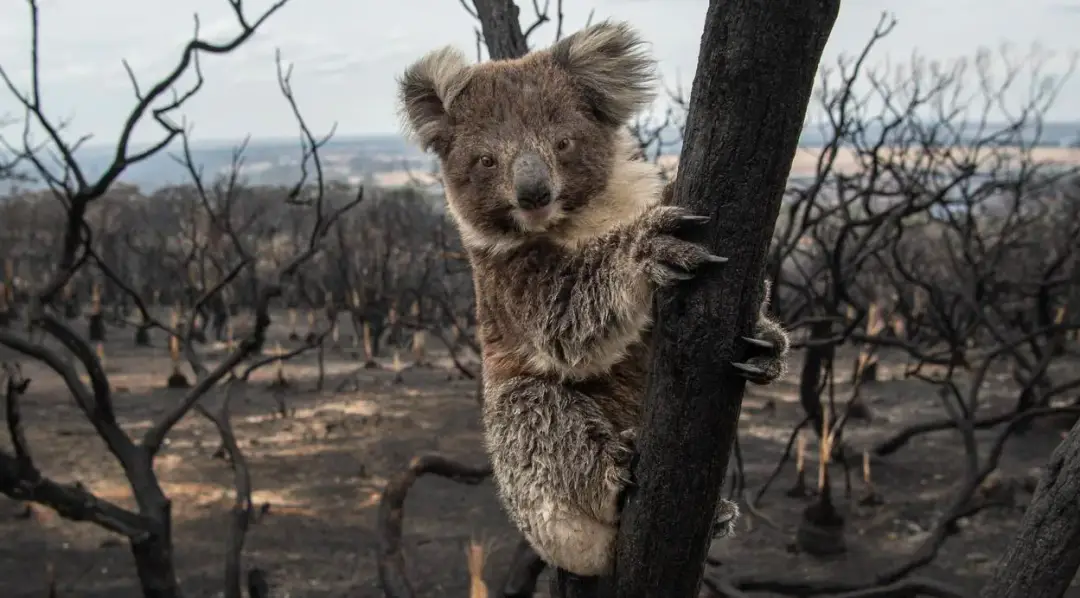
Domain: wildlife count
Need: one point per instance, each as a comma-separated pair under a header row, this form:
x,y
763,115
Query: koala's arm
x,y
573,308
580,309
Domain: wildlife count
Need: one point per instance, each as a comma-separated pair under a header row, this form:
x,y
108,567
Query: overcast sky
x,y
347,52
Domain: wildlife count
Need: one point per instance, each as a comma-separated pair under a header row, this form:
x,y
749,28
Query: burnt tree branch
x,y
395,583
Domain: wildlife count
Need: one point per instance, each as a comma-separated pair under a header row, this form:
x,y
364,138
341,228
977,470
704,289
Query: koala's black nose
x,y
532,181
533,196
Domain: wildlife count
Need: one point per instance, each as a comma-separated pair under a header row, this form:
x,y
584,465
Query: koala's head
x,y
527,144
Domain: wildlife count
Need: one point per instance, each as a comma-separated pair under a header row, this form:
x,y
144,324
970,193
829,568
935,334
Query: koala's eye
x,y
564,144
487,161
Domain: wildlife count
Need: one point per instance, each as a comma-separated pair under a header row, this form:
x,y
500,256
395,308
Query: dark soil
x,y
321,468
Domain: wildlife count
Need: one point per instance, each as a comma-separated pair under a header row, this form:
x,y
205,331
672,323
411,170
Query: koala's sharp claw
x,y
747,368
757,342
694,219
748,371
716,259
758,345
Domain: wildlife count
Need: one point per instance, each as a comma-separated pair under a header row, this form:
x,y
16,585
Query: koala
x,y
568,235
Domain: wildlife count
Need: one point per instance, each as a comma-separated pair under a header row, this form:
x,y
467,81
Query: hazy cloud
x,y
347,52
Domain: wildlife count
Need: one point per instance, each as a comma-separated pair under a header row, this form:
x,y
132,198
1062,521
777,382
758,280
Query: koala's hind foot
x,y
727,515
767,352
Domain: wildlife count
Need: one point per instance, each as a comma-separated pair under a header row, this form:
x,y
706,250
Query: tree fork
x,y
755,74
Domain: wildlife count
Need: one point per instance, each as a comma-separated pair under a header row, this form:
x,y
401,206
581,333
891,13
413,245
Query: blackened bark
x,y
96,327
153,560
754,77
153,552
521,576
814,361
501,28
1045,555
568,585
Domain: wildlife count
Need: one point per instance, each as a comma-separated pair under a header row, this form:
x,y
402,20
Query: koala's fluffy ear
x,y
425,92
612,68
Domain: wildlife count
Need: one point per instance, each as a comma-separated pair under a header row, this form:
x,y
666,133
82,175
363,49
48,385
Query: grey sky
x,y
347,52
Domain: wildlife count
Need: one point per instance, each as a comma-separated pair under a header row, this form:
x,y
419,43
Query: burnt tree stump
x,y
96,327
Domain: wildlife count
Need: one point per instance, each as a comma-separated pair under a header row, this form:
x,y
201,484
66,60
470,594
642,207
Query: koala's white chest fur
x,y
633,186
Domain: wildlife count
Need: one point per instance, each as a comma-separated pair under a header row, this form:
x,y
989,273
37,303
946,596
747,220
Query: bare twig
x,y
395,582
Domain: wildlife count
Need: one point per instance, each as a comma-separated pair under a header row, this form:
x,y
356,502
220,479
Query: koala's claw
x,y
766,353
667,258
628,444
694,219
759,343
625,463
751,373
625,448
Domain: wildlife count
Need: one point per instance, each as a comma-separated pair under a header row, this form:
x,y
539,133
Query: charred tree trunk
x,y
501,29
71,309
153,552
220,322
754,77
1045,555
378,330
142,335
814,361
153,561
96,327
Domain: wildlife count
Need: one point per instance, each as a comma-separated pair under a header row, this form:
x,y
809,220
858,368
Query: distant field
x,y
804,164
397,178
806,159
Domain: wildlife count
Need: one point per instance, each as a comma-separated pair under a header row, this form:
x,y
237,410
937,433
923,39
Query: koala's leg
x,y
768,348
560,468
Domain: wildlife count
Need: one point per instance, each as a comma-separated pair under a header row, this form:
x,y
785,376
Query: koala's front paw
x,y
727,515
667,258
767,352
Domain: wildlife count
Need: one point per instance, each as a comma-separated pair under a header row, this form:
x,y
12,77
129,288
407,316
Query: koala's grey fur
x,y
564,290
